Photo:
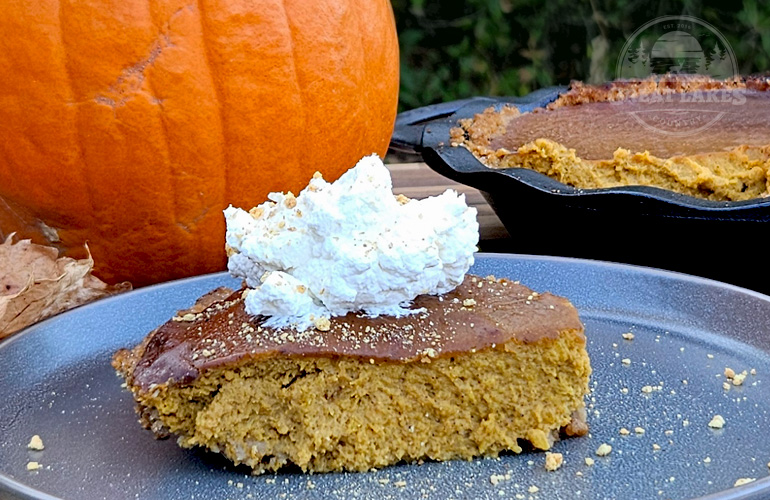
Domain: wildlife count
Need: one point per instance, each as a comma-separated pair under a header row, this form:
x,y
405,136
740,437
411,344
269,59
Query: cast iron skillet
x,y
636,224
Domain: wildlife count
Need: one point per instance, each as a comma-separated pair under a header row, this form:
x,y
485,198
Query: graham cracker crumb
x,y
35,443
34,466
323,324
628,336
429,353
496,479
533,489
553,461
639,430
717,422
590,461
729,372
603,450
744,480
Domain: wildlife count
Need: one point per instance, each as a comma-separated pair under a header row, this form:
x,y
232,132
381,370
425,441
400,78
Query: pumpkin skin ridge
x,y
217,95
292,46
133,130
80,157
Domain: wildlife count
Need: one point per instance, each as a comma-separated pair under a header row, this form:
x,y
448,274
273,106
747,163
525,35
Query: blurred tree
x,y
451,50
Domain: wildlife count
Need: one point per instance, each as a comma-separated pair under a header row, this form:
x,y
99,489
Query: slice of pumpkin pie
x,y
466,367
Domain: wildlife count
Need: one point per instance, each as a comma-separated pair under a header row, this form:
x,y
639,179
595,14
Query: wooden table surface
x,y
417,180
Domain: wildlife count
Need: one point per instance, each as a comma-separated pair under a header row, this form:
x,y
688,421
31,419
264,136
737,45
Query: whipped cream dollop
x,y
348,246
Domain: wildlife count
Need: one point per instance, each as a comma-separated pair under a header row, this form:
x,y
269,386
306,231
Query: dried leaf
x,y
36,283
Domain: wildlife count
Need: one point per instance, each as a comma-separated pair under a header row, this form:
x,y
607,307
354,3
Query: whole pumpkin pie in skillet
x,y
689,134
465,366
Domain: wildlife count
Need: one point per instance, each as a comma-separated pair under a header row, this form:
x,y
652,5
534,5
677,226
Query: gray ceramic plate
x,y
56,381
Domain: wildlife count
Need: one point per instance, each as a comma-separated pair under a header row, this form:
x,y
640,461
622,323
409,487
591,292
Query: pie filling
x,y
684,124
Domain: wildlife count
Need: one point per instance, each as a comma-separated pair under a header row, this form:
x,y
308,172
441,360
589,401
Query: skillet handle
x,y
409,127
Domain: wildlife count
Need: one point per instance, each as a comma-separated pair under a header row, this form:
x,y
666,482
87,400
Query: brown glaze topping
x,y
725,119
481,313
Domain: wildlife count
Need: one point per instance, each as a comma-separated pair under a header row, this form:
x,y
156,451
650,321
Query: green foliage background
x,y
454,49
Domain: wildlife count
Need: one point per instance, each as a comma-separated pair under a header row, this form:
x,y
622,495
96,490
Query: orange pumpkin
x,y
130,124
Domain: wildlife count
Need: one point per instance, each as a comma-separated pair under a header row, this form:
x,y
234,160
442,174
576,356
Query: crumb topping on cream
x,y
348,246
